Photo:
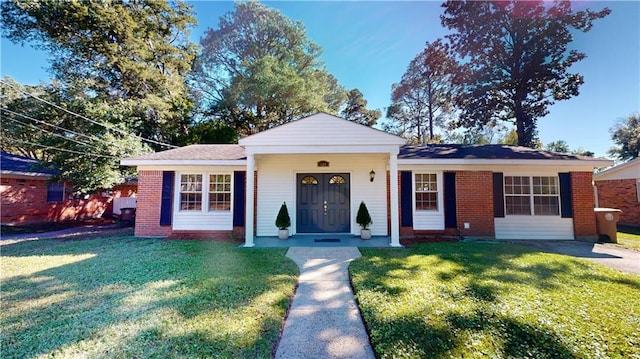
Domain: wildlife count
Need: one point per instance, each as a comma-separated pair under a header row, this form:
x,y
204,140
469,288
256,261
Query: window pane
x,y
337,180
427,201
518,205
546,205
219,192
309,180
55,192
191,192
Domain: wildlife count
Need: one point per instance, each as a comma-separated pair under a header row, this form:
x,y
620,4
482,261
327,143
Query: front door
x,y
323,203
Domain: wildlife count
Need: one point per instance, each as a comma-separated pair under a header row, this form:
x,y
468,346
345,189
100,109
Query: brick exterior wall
x,y
621,194
583,202
149,203
24,201
474,196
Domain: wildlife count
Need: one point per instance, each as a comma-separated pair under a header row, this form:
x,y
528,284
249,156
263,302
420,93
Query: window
x,y
309,180
337,180
525,195
220,192
55,192
426,192
190,192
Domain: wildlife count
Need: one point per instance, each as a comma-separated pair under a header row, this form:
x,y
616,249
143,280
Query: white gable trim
x,y
627,170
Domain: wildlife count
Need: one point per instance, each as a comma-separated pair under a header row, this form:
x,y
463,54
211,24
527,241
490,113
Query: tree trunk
x,y
524,127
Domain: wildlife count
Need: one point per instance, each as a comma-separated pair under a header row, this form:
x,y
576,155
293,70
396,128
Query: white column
x,y
393,188
249,205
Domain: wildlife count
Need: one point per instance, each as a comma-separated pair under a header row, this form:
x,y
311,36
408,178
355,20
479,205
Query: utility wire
x,y
94,138
62,149
47,131
110,127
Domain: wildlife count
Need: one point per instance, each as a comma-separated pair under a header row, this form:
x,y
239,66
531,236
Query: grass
x,y
477,300
124,297
629,240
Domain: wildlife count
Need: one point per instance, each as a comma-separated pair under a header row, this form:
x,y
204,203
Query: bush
x,y
283,221
363,218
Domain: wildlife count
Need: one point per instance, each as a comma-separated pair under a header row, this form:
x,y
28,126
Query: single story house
x,y
619,187
28,196
323,166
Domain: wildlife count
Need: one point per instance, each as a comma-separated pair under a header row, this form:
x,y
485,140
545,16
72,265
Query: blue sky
x,y
368,45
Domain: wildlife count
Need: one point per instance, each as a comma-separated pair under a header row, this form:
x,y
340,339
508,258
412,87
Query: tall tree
x,y
86,153
258,70
422,99
626,135
356,109
115,51
516,59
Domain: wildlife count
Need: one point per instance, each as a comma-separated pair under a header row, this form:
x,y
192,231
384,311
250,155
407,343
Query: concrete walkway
x,y
324,321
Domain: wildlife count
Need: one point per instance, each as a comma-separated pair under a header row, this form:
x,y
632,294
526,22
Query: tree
x,y
356,110
258,70
516,59
557,146
87,153
134,52
422,98
626,134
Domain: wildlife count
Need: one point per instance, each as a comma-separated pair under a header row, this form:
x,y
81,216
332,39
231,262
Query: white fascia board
x,y
610,173
260,150
133,162
520,162
19,174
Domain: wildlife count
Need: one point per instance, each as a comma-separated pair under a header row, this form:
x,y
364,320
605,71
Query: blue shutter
x,y
166,202
239,192
406,192
565,195
450,215
498,195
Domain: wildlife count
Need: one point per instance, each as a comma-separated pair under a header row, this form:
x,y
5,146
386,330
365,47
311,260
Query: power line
x,y
94,138
62,149
109,127
53,133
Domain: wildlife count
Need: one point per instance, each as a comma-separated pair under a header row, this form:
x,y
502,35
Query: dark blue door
x,y
323,203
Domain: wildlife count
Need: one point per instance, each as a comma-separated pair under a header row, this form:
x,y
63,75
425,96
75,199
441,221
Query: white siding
x,y
277,183
534,227
203,220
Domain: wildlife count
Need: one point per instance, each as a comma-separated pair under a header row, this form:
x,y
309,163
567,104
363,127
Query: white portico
x,y
310,160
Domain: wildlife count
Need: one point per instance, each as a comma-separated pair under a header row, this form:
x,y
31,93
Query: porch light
x,y
372,175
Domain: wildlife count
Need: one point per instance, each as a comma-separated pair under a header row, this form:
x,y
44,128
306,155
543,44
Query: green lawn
x,y
482,300
124,297
629,240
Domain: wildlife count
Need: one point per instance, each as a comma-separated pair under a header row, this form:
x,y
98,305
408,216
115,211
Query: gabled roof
x,y
191,154
11,164
322,129
627,170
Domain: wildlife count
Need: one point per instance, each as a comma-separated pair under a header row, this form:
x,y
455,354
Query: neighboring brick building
x,y
323,166
619,187
27,195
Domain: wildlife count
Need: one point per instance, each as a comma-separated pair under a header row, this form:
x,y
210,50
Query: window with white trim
x,y
219,192
426,191
527,195
191,192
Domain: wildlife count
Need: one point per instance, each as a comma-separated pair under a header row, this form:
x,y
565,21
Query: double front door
x,y
323,203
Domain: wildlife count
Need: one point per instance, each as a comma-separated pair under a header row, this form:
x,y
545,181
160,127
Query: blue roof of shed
x,y
14,164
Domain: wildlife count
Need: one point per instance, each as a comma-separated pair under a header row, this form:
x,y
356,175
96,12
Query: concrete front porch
x,y
322,240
